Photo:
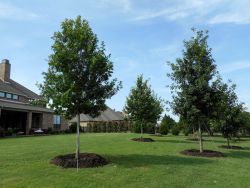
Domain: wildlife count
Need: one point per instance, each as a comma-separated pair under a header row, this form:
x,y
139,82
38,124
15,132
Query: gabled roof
x,y
107,115
16,88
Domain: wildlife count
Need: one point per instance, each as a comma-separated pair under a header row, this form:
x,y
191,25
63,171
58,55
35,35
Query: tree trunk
x,y
200,139
141,130
193,133
77,140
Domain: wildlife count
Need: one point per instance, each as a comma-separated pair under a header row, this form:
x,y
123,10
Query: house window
x,y
2,94
8,95
57,122
15,97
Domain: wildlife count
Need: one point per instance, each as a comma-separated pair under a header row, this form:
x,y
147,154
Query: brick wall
x,y
64,123
47,120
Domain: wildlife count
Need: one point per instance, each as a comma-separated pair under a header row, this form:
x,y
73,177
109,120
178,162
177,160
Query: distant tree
x,y
167,123
229,109
167,120
78,79
192,75
142,104
245,119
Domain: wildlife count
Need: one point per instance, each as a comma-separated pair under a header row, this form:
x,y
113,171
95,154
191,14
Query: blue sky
x,y
141,35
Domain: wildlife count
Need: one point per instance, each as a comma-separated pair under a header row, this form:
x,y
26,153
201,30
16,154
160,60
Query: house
x,y
16,111
108,115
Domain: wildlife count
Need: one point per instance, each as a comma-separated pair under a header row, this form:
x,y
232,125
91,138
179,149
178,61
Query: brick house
x,y
16,111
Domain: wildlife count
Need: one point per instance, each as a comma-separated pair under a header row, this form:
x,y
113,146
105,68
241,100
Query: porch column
x,y
28,122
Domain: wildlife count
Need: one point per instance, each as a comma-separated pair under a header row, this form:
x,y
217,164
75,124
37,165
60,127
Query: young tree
x,y
78,79
142,104
192,76
229,110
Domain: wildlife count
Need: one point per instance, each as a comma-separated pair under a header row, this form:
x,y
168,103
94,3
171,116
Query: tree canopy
x,y
78,79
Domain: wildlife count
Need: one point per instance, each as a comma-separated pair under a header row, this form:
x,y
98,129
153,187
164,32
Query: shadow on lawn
x,y
137,160
174,141
239,154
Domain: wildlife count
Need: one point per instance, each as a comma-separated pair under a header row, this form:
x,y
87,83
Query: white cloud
x,y
210,12
237,12
11,12
227,68
181,9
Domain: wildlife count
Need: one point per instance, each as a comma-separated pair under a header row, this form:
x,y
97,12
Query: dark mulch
x,y
230,147
143,139
205,153
86,160
194,139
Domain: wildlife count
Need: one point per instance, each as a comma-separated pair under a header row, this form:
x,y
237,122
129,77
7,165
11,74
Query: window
x,y
57,121
8,95
15,97
2,94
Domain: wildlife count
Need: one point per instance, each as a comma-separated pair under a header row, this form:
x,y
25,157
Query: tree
x,y
78,78
167,123
142,105
192,75
229,110
245,119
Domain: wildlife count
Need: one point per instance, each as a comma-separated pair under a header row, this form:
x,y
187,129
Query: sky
x,y
140,35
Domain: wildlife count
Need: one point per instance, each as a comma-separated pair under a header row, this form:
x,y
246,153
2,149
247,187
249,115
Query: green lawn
x,y
24,162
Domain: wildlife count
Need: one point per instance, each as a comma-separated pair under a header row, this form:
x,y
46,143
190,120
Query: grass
x,y
24,162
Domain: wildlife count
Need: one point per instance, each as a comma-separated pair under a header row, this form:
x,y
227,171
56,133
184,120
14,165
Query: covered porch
x,y
22,118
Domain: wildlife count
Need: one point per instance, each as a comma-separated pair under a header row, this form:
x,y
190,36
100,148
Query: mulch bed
x,y
143,139
230,147
205,153
86,160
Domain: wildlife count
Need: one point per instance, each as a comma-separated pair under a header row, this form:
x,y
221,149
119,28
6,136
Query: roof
x,y
107,115
16,88
22,106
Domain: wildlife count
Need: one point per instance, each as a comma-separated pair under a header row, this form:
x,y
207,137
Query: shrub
x,y
150,128
175,131
147,128
73,127
164,129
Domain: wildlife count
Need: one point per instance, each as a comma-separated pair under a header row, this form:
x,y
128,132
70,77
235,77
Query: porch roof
x,y
22,106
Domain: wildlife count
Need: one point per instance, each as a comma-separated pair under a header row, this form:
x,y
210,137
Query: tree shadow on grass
x,y
175,141
137,160
239,154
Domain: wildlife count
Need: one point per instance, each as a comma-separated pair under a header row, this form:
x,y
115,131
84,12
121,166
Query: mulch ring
x,y
230,147
143,139
86,160
205,153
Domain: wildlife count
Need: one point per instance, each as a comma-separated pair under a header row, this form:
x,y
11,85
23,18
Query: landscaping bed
x,y
143,139
86,160
205,153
